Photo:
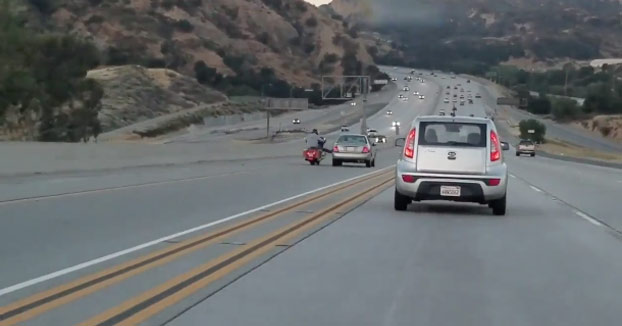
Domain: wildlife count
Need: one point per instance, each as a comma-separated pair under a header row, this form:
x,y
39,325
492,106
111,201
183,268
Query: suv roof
x,y
463,119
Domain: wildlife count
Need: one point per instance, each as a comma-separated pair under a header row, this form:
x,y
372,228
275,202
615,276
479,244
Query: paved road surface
x,y
555,259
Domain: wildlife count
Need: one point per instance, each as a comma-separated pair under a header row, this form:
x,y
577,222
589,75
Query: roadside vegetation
x,y
533,130
43,90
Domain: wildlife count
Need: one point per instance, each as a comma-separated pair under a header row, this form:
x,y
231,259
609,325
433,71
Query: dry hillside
x,y
289,36
133,93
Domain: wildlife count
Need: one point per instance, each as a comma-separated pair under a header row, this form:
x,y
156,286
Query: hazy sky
x,y
318,2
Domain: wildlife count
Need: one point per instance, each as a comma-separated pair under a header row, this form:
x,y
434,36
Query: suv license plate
x,y
450,191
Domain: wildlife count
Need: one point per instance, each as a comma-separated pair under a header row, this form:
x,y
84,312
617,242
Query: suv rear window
x,y
352,140
452,134
526,143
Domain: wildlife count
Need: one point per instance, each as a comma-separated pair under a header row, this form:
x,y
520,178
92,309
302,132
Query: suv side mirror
x,y
505,146
373,143
399,142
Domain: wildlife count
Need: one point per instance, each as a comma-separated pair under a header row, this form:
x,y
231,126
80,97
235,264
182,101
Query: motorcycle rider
x,y
314,140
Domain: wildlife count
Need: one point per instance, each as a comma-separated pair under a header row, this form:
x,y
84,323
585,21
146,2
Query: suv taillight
x,y
409,147
495,147
336,149
365,149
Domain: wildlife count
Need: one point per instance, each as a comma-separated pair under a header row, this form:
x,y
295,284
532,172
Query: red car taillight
x,y
495,147
336,149
365,149
494,182
409,147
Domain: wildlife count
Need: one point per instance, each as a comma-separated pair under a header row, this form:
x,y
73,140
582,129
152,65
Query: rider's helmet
x,y
314,131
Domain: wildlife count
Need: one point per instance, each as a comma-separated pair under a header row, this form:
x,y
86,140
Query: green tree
x,y
539,105
538,128
565,109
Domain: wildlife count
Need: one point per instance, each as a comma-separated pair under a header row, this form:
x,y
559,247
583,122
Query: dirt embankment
x,y
609,126
133,94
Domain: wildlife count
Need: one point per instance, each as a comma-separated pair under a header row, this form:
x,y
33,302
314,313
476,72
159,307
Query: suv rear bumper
x,y
474,188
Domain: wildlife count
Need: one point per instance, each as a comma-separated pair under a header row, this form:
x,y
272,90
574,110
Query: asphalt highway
x,y
275,241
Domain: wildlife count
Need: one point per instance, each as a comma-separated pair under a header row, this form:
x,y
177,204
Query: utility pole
x,y
265,105
364,114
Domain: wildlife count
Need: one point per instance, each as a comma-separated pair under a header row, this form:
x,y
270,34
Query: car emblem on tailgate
x,y
451,155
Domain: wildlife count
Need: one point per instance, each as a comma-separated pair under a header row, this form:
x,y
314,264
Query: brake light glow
x,y
365,149
409,147
494,182
336,149
408,178
495,147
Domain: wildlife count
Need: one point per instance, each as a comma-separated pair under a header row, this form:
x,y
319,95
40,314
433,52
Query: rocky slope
x,y
133,93
291,37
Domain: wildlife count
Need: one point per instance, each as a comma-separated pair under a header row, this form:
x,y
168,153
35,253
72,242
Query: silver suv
x,y
452,158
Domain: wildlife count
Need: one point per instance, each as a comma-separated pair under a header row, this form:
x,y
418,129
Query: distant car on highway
x,y
371,132
470,101
400,96
441,112
477,95
379,139
354,148
296,121
389,112
526,147
421,97
468,81
448,87
416,93
445,100
461,102
406,89
345,128
394,79
451,158
454,101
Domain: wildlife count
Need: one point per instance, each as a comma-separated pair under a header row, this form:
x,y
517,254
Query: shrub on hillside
x,y
565,109
539,105
311,22
539,130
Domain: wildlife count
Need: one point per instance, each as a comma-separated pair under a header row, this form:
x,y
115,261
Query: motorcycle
x,y
314,155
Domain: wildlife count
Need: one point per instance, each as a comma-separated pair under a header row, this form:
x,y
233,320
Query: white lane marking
x,y
94,191
512,176
588,218
151,243
535,188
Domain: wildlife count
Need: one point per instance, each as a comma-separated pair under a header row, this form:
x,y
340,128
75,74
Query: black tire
x,y
373,163
498,206
400,202
368,164
312,162
336,162
517,154
533,154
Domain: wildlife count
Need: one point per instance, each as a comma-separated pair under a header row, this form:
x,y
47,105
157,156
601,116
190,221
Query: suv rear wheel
x,y
498,206
400,202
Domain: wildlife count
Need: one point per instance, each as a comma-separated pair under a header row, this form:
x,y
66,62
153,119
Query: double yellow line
x,y
176,288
